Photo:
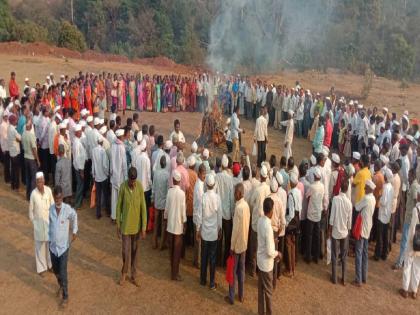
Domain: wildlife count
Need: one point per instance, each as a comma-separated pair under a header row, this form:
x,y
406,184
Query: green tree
x,y
6,22
400,57
70,37
28,31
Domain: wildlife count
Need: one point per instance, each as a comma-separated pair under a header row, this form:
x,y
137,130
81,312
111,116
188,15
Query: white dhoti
x,y
288,152
411,273
42,256
114,199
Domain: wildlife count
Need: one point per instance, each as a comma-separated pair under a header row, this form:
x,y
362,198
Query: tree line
x,y
347,34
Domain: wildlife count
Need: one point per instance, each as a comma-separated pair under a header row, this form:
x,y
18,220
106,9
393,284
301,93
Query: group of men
x,y
262,215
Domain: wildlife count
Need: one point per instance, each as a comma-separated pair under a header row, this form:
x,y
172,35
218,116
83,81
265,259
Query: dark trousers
x,y
227,236
312,240
30,171
257,109
102,197
59,266
253,244
87,184
208,256
343,245
44,158
278,263
261,152
381,247
147,199
175,252
22,163
53,162
6,166
238,277
15,171
189,232
78,199
265,292
130,244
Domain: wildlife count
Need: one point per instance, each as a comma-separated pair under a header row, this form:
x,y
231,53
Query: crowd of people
x,y
359,185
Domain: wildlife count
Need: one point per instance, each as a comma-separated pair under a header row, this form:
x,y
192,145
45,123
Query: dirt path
x,y
95,263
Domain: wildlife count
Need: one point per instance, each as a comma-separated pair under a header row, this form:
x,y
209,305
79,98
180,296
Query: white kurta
x,y
39,205
288,139
118,172
411,272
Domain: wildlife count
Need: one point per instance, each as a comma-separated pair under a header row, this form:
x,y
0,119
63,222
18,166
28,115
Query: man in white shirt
x,y
100,174
118,169
79,160
365,207
290,130
239,243
141,161
256,204
384,217
224,188
197,199
315,209
176,216
278,223
266,254
160,188
293,216
13,142
209,230
261,136
39,206
177,131
340,225
4,126
52,132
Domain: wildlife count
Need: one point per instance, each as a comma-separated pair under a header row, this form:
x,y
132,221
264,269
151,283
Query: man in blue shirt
x,y
61,215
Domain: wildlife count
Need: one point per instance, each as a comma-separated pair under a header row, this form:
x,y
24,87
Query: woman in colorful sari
x,y
121,93
154,99
81,94
158,90
66,97
128,99
114,94
132,92
74,96
88,97
193,95
148,88
140,103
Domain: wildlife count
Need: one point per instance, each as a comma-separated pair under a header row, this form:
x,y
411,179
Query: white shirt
x,y
256,203
197,199
79,154
3,136
224,188
266,251
294,204
278,220
100,164
315,195
395,152
260,133
405,167
2,92
181,137
367,207
118,163
110,136
12,142
385,203
341,216
141,161
52,131
39,209
175,210
209,223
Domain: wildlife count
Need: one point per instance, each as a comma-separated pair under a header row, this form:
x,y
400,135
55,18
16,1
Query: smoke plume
x,y
261,35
